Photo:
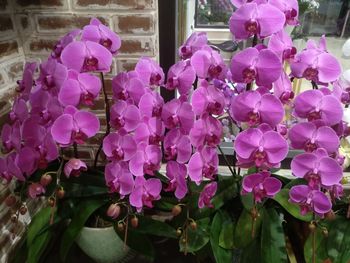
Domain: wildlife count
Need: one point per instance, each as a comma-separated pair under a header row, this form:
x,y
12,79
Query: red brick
x,y
8,48
119,4
40,3
42,45
49,23
126,64
143,46
134,24
6,23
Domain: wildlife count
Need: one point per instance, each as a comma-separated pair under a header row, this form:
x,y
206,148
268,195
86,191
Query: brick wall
x,y
28,31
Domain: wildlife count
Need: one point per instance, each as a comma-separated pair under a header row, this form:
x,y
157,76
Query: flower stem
x,y
108,118
75,148
59,172
226,161
126,232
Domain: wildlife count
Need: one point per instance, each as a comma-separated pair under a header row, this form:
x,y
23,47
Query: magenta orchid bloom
x,y
177,113
203,164
310,200
35,190
52,75
181,77
208,64
317,168
118,178
27,160
262,185
251,64
11,136
177,146
146,160
86,56
207,194
145,192
254,147
150,72
239,3
74,126
206,131
99,33
19,110
254,108
282,44
207,99
26,84
252,19
316,64
177,174
74,167
79,88
315,105
309,137
63,42
195,42
128,86
290,8
9,168
119,148
45,108
124,115
282,89
150,131
151,104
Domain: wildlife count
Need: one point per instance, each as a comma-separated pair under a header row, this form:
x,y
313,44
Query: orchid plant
x,y
253,213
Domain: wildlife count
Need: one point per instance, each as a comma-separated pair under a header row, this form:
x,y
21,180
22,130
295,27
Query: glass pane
x,y
213,13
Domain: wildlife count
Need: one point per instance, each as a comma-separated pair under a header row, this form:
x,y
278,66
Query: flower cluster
x,y
46,115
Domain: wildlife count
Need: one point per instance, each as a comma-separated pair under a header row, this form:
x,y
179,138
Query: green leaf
x,y
338,241
221,255
226,235
283,199
294,182
39,221
86,208
150,226
321,248
138,242
251,254
244,233
197,239
37,246
273,245
247,201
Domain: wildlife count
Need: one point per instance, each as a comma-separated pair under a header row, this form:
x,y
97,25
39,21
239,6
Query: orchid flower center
x,y
315,115
149,168
173,82
118,153
311,74
249,75
253,118
79,137
214,71
154,139
313,179
259,192
90,64
286,96
289,53
260,157
155,78
118,122
107,43
310,146
87,99
214,108
123,95
48,82
212,139
208,171
156,111
252,27
42,163
186,51
173,121
171,152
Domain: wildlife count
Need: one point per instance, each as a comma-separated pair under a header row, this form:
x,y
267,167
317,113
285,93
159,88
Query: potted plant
x,y
253,214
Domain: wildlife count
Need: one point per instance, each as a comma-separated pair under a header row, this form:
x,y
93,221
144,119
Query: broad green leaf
x,y
154,227
251,254
197,239
321,248
273,245
294,182
247,201
283,199
221,255
40,220
37,247
226,235
86,208
246,231
138,242
338,241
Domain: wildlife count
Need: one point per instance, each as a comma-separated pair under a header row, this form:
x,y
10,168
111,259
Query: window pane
x,y
213,13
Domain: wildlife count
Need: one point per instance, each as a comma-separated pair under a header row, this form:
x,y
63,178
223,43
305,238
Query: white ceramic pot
x,y
102,244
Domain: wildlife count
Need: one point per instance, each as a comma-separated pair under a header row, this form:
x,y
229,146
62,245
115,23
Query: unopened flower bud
x,y
51,202
193,225
325,232
178,232
120,227
312,226
134,222
176,210
113,211
23,210
10,200
45,179
60,193
330,215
